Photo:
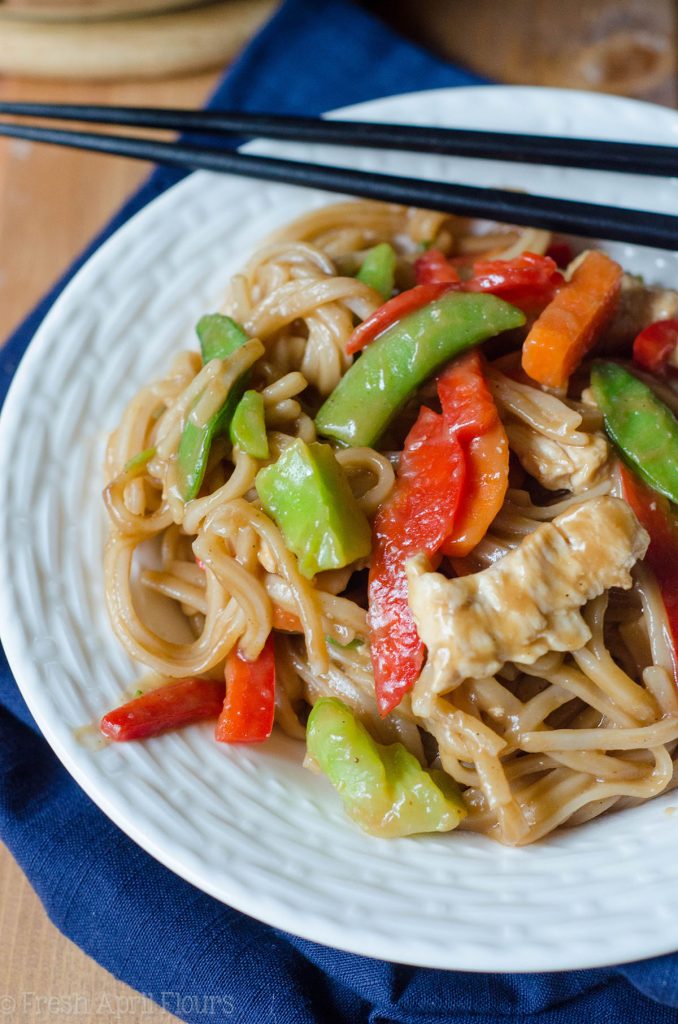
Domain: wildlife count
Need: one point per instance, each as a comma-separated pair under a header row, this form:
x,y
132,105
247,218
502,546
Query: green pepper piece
x,y
378,269
307,494
384,788
248,426
219,336
389,370
644,429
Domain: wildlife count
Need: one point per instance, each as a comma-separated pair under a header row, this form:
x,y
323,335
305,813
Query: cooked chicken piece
x,y
638,307
558,466
525,604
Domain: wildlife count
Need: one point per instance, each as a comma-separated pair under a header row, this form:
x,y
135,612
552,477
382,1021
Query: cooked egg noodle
x,y
534,746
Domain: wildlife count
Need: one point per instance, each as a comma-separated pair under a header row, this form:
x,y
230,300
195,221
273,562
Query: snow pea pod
x,y
393,366
378,269
641,426
248,426
220,336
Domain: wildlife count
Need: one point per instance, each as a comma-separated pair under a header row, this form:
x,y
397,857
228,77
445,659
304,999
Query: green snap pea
x,y
378,269
219,336
641,426
248,426
396,363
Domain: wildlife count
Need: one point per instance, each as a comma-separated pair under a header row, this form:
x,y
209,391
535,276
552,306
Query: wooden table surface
x,y
53,201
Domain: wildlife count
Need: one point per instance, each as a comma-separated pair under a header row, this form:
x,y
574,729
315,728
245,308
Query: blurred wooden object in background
x,y
628,47
89,9
48,39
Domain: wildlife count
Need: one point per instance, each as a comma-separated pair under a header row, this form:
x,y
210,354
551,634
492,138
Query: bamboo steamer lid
x,y
102,40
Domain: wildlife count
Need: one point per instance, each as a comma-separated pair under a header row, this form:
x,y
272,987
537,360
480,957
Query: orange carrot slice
x,y
570,325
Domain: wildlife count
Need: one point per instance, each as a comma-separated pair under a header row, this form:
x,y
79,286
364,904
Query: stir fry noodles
x,y
414,500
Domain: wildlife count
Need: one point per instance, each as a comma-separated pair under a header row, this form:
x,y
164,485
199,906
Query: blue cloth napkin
x,y
194,956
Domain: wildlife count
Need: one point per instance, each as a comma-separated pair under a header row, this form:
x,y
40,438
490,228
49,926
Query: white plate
x,y
250,826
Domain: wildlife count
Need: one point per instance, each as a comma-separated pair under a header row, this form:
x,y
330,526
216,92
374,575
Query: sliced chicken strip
x,y
527,603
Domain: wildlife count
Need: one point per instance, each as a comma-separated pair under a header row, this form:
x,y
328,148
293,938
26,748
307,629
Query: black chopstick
x,y
593,154
587,219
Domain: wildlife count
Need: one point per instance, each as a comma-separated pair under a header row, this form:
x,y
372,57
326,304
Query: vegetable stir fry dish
x,y
414,502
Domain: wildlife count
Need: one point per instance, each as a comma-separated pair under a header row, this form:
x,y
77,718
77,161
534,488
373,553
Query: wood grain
x,y
89,9
44,977
53,201
620,46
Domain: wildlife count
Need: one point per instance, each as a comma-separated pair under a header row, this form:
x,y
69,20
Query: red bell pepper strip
x,y
656,514
417,516
433,267
655,345
468,405
561,253
465,398
451,482
392,311
528,281
249,707
167,707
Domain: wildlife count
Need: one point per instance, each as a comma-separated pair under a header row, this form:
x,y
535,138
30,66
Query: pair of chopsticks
x,y
572,217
